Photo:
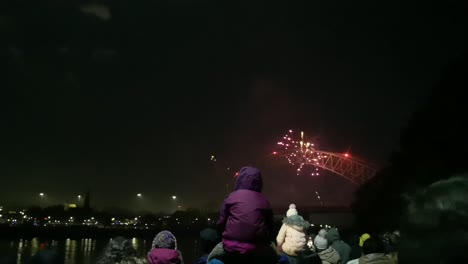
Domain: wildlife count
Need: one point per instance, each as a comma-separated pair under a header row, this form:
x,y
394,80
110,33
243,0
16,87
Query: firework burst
x,y
299,152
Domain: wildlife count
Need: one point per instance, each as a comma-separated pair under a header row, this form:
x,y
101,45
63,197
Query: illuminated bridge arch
x,y
301,152
354,170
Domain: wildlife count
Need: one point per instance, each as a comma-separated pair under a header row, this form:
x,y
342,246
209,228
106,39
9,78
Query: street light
x,y
139,195
41,195
174,197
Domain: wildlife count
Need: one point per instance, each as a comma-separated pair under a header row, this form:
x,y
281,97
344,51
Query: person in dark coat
x,y
334,240
209,238
246,218
356,250
373,251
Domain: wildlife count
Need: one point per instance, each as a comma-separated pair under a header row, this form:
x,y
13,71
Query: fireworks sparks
x,y
318,197
300,153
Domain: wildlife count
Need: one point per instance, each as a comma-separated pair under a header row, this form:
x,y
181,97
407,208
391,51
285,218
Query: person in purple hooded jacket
x,y
164,250
247,220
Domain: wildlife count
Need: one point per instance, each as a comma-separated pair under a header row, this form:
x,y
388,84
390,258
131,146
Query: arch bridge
x,y
304,153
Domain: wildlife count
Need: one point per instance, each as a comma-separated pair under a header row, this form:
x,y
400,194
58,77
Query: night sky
x,y
138,102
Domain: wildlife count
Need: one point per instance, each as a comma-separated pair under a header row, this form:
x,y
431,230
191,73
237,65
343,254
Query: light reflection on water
x,y
81,251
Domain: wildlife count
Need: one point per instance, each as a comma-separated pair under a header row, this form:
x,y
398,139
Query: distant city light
x,y
346,155
139,195
174,197
274,152
41,194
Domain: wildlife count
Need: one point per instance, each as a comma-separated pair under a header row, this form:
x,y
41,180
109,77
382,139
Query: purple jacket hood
x,y
246,216
249,178
164,256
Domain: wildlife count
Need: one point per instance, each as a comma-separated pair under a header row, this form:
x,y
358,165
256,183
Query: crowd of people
x,y
246,234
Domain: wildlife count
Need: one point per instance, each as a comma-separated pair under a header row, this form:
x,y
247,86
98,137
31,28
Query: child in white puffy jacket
x,y
292,238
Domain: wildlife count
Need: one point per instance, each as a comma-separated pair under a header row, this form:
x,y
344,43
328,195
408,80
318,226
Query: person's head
x,y
435,225
322,233
320,243
393,239
209,238
333,235
373,245
165,239
118,249
249,178
363,239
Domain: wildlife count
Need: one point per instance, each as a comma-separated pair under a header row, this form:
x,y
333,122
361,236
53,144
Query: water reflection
x,y
34,246
87,249
79,251
20,251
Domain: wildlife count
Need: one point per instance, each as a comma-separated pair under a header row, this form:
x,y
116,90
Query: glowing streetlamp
x,y
174,197
41,195
139,195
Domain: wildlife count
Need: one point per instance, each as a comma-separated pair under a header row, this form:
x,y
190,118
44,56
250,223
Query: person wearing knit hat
x,y
322,233
320,243
120,251
164,249
165,239
292,210
327,254
291,238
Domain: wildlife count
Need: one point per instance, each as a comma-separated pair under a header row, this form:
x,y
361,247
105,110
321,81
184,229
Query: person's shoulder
x,y
347,246
353,261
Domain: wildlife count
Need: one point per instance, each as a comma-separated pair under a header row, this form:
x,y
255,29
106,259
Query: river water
x,y
83,251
